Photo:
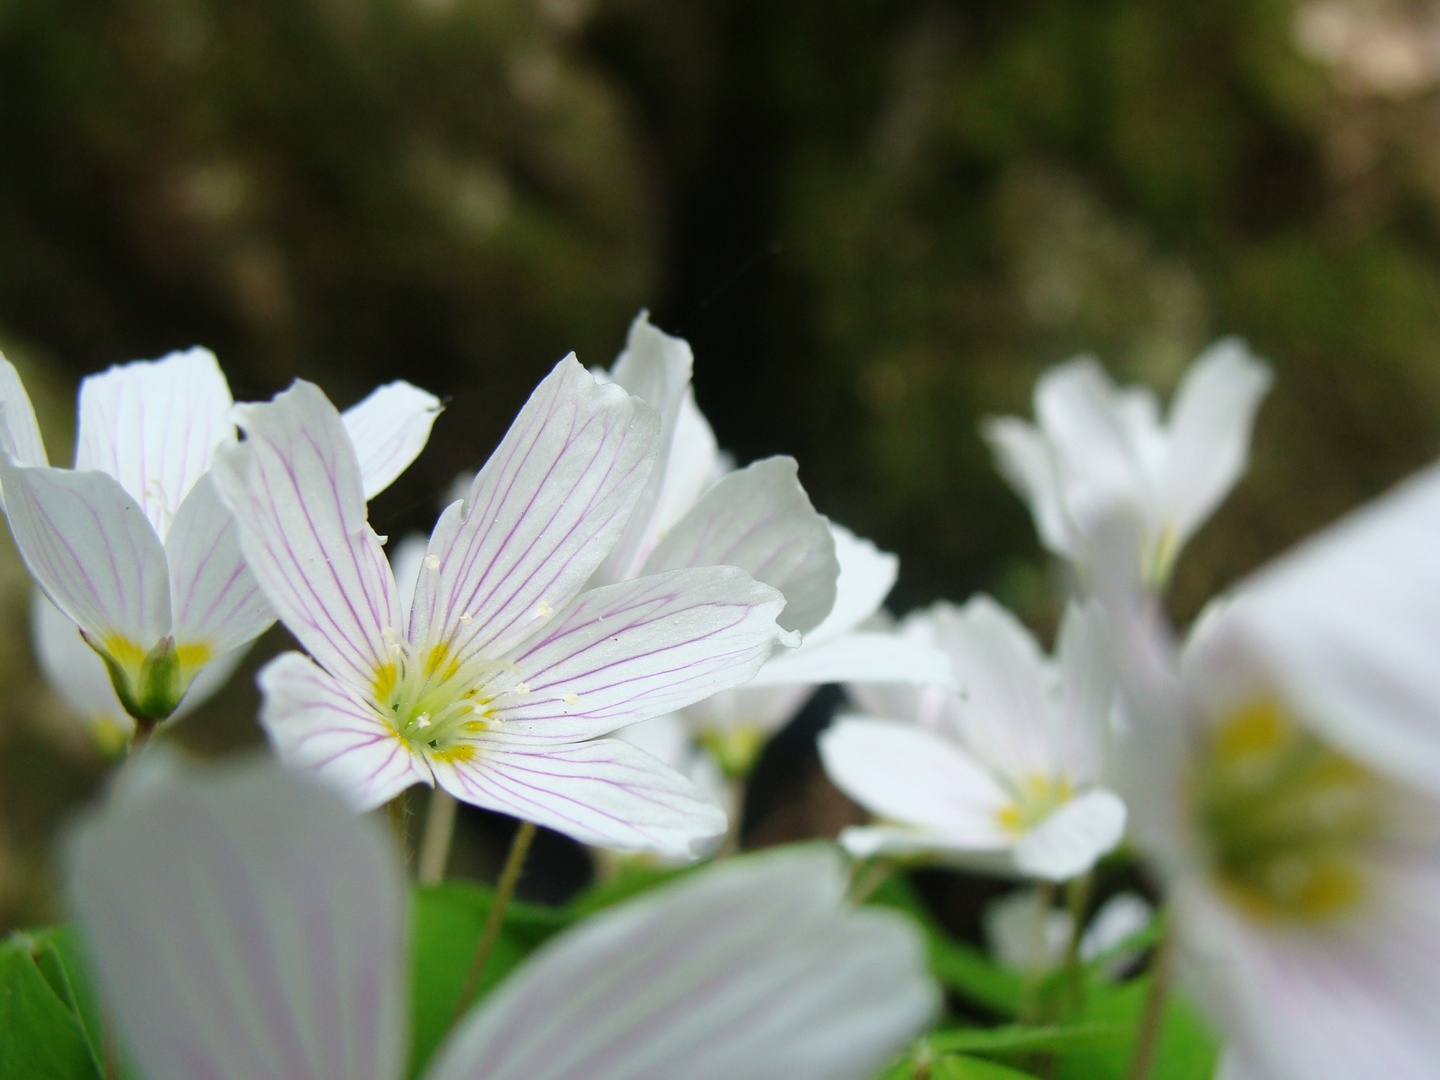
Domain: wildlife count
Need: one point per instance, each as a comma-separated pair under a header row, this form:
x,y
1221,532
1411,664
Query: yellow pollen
x,y
570,699
452,754
543,610
1037,797
1286,819
385,681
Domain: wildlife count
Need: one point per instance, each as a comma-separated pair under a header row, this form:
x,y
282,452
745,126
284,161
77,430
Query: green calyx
x,y
151,690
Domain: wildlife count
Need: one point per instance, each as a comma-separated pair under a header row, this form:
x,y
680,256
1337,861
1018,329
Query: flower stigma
x,y
1286,819
433,701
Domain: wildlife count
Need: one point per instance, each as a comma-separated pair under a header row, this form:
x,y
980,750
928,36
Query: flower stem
x,y
143,728
1077,902
504,890
863,886
1030,1004
400,826
1147,1041
435,845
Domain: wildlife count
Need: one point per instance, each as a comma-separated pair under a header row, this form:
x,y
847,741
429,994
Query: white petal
x,y
670,738
867,575
88,545
760,519
389,429
765,708
1026,460
543,512
636,649
154,426
244,926
294,488
906,774
1085,655
1004,712
864,657
217,602
655,367
316,724
1349,625
694,464
74,669
1073,837
1120,918
1211,419
19,431
603,792
748,969
1355,997
1025,932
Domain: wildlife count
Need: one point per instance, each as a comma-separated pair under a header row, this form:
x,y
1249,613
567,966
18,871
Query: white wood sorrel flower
x,y
133,545
1284,775
244,926
1096,449
697,510
1003,775
499,680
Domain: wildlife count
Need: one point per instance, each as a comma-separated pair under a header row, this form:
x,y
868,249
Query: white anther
x,y
432,562
465,617
543,610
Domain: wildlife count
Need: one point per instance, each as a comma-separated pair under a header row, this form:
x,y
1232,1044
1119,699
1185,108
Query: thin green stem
x,y
1077,903
1029,1011
143,731
731,844
863,885
1147,1040
435,845
400,825
504,890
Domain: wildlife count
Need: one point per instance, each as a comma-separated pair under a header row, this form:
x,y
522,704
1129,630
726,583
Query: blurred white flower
x,y
499,680
133,545
243,924
1096,449
1283,773
1026,933
1004,775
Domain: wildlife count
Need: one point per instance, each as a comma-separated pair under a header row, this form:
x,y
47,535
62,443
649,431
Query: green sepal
x,y
159,690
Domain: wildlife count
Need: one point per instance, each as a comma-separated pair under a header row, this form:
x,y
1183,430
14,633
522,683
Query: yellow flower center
x,y
1035,798
433,701
1285,817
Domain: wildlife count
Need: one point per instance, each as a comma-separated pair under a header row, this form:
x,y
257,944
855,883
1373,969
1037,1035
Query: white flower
x,y
1024,933
1098,449
78,676
499,679
1284,774
696,511
132,544
243,925
1003,776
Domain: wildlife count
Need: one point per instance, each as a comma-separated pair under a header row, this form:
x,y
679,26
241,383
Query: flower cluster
x,y
606,625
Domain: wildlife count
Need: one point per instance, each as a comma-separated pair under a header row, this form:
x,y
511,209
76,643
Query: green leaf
x,y
959,966
446,924
1018,1039
956,1067
41,1008
1187,1049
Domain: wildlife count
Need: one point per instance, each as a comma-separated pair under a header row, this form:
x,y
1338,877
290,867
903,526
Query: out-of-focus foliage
x,y
876,222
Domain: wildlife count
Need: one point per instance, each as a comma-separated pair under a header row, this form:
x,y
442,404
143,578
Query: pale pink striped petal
x,y
88,545
760,519
655,367
389,429
629,651
603,792
541,515
1349,997
911,776
154,426
19,431
216,601
750,969
245,926
316,724
294,487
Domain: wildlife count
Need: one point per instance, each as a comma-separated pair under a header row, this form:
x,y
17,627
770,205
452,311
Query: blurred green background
x,y
875,221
